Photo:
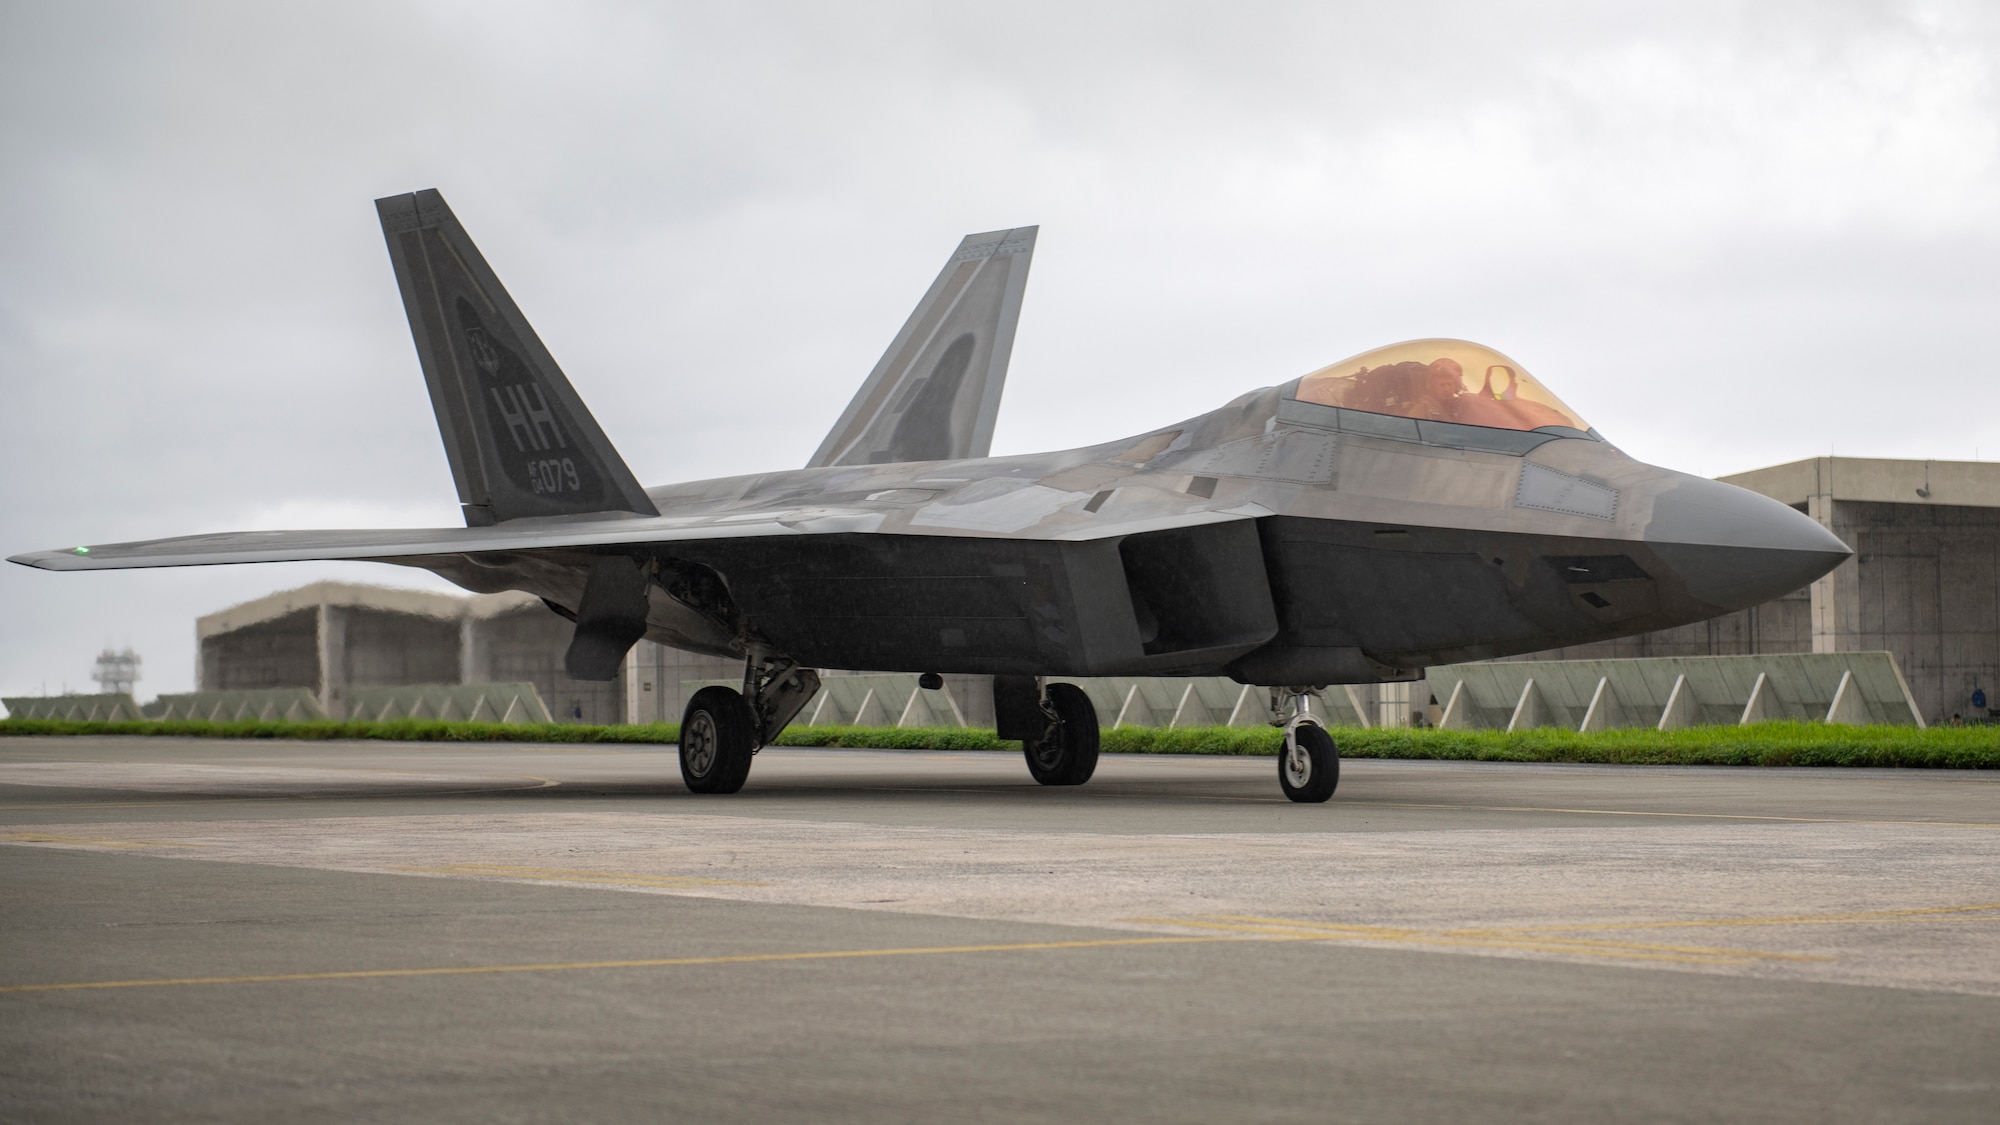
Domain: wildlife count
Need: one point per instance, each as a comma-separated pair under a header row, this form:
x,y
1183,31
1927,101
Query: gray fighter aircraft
x,y
1423,503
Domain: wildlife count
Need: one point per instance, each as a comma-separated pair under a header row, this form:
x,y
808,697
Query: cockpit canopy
x,y
1452,381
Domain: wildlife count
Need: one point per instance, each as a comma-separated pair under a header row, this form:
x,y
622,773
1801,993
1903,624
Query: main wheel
x,y
1067,755
717,735
1310,767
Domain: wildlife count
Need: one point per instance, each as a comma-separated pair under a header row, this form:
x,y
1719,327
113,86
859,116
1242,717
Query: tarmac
x,y
225,931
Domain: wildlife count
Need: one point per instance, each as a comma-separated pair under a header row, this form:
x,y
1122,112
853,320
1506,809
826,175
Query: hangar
x,y
337,639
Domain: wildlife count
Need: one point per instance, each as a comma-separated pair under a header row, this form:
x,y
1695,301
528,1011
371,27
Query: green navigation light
x,y
83,550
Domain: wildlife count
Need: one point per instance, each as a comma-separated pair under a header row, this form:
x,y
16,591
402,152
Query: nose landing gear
x,y
1309,762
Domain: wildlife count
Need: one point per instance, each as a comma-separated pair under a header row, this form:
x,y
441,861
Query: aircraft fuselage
x,y
1259,541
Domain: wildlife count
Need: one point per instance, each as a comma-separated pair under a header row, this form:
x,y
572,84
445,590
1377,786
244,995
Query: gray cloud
x,y
1730,234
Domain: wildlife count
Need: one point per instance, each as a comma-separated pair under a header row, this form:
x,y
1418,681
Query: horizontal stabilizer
x,y
935,393
520,441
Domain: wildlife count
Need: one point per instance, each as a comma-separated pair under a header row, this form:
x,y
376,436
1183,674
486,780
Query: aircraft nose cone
x,y
1734,548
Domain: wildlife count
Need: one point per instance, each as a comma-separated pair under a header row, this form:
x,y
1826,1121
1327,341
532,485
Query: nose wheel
x,y
1309,764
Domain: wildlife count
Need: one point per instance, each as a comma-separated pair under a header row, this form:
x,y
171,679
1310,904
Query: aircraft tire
x,y
1068,756
1309,775
716,741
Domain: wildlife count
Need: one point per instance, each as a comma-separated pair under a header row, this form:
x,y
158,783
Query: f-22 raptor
x,y
1422,503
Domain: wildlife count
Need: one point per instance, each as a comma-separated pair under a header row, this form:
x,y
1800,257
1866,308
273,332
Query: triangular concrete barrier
x,y
1529,710
1134,710
1604,713
1848,707
1681,710
1457,710
1247,711
916,713
871,713
1763,706
1360,708
950,708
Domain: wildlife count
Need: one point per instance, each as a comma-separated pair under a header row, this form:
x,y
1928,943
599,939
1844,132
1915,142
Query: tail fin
x,y
936,392
520,441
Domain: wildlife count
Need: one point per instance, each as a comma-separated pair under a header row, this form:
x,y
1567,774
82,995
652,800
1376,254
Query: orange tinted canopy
x,y
1440,381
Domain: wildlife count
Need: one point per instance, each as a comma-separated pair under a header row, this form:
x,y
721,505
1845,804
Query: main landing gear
x,y
722,728
718,738
1056,725
1065,753
1309,762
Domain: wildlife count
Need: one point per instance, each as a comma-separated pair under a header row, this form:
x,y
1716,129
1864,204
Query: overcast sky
x,y
1728,234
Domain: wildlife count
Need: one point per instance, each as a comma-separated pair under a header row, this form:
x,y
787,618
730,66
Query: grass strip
x,y
1761,744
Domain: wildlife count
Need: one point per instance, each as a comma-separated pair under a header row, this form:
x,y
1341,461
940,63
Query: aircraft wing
x,y
405,543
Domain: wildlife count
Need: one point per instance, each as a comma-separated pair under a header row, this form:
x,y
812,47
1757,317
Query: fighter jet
x,y
1422,503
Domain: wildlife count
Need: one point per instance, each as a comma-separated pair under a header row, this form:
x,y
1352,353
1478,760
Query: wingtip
x,y
44,560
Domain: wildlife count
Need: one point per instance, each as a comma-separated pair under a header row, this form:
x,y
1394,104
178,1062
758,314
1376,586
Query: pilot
x,y
1408,389
1443,382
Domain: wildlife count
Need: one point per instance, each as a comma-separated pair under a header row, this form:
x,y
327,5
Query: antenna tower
x,y
116,672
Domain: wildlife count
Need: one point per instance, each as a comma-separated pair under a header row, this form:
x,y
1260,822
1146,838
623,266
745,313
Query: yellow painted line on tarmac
x,y
1628,951
1546,939
1684,815
90,841
1975,912
163,802
649,963
568,875
168,800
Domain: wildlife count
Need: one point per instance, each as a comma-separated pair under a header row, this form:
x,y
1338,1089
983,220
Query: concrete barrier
x,y
1673,692
489,703
492,703
113,707
265,705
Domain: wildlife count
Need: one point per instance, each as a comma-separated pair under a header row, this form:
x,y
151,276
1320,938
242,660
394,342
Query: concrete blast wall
x,y
1669,693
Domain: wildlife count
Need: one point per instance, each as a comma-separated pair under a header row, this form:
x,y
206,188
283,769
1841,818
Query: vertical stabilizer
x,y
520,441
936,392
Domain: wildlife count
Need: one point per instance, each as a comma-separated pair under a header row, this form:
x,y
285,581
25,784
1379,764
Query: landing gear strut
x,y
1309,762
722,729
